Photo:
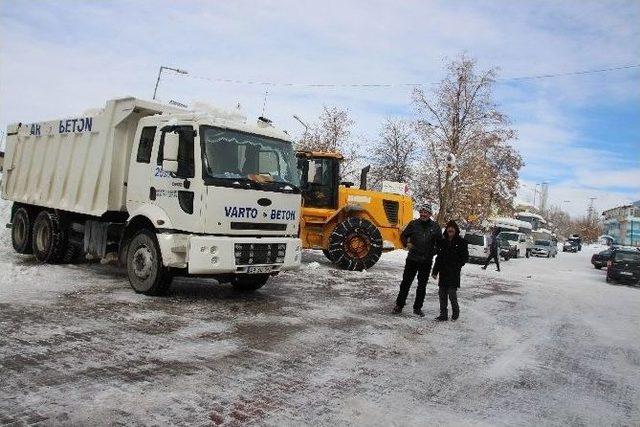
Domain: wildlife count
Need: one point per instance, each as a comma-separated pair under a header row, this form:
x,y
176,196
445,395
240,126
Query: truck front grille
x,y
391,208
259,253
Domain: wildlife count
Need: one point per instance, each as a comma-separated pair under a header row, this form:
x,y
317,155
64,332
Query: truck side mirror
x,y
171,144
170,152
170,166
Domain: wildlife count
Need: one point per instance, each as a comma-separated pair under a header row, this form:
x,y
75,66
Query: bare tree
x,y
460,119
394,153
333,133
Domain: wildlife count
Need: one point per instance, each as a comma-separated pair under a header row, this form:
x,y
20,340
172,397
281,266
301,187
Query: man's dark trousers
x,y
452,294
411,268
493,255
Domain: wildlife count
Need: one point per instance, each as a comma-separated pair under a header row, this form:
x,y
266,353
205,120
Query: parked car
x,y
600,259
544,248
624,266
507,250
577,240
519,240
570,246
478,245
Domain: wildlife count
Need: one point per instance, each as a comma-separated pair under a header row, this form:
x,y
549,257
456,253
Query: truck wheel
x,y
21,231
146,273
49,237
355,244
517,253
71,254
527,253
249,282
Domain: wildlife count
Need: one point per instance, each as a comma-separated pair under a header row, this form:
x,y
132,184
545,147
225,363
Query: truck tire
x,y
145,271
527,253
355,244
21,231
517,253
71,254
49,237
249,282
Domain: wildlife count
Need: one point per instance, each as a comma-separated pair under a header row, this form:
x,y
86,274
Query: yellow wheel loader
x,y
352,226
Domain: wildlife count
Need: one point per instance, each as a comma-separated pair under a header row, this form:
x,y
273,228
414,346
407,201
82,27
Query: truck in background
x,y
169,191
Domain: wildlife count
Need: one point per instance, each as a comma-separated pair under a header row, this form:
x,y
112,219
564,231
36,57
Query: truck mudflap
x,y
219,254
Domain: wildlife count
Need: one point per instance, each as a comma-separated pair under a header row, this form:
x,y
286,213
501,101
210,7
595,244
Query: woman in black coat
x,y
452,255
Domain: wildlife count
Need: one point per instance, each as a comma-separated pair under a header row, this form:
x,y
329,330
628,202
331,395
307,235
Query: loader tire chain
x,y
337,243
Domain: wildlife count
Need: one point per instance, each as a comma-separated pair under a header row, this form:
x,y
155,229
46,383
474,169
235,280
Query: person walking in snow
x,y
493,250
421,237
452,255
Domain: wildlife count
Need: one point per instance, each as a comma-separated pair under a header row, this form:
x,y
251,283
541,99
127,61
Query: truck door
x,y
178,193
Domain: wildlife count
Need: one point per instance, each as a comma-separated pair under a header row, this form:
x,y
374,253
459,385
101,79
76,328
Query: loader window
x,y
146,144
321,184
186,164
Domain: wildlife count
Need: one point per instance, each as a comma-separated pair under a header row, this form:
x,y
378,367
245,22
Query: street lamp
x,y
177,70
306,128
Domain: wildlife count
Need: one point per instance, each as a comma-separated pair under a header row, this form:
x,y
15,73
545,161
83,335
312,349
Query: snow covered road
x,y
546,341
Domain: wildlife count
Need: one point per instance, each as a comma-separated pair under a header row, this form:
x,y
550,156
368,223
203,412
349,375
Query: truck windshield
x,y
232,156
509,236
543,243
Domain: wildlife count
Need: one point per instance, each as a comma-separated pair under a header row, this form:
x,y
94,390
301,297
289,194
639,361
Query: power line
x,y
572,73
391,85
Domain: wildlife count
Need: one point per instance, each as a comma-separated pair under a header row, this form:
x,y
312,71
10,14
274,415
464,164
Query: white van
x,y
519,240
478,245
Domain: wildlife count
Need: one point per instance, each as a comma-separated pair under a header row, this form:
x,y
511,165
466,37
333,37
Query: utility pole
x,y
162,68
590,209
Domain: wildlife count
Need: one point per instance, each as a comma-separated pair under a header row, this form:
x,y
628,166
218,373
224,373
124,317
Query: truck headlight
x,y
214,260
214,250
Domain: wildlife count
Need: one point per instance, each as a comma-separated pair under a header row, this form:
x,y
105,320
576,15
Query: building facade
x,y
623,224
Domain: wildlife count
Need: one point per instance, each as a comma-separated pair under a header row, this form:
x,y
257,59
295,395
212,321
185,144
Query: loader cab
x,y
319,179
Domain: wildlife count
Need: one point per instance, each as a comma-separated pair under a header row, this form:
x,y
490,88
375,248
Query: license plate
x,y
259,270
626,273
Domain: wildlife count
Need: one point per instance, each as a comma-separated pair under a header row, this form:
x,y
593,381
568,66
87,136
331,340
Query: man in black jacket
x,y
421,237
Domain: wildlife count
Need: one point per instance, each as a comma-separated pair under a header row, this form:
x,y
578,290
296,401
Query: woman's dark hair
x,y
454,225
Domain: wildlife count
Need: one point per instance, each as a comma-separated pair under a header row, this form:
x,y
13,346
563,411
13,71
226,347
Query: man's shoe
x,y
418,312
498,269
441,318
397,310
484,268
455,316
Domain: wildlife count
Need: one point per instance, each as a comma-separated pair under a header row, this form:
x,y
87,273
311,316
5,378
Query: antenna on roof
x,y
264,103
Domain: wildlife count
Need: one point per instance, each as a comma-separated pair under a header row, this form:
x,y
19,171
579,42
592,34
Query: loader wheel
x,y
146,273
49,238
355,244
249,282
327,254
21,231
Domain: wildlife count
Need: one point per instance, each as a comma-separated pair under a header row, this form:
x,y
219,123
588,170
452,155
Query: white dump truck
x,y
169,191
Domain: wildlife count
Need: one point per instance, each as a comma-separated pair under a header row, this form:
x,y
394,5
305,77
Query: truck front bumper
x,y
223,255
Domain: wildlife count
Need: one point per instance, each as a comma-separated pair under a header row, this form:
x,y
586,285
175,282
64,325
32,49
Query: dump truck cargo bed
x,y
75,164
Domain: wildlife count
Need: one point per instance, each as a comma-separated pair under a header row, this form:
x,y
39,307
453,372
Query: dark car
x,y
570,246
600,259
507,251
624,266
575,240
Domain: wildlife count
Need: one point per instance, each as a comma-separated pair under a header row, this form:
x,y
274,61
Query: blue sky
x,y
579,133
